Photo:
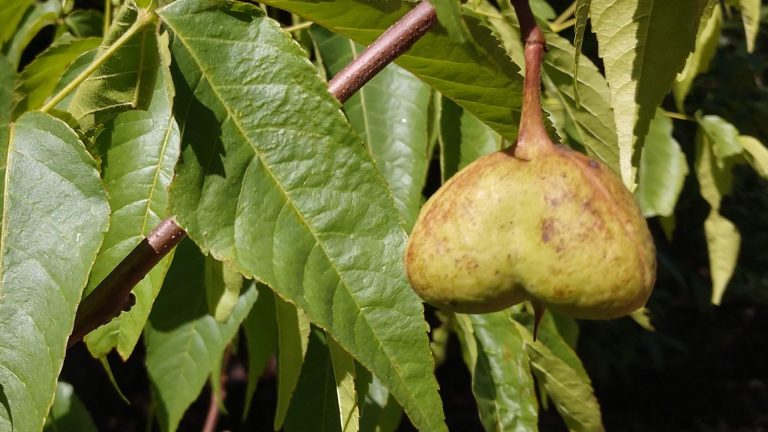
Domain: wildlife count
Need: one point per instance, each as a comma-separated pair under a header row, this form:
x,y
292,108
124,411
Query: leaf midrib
x,y
268,169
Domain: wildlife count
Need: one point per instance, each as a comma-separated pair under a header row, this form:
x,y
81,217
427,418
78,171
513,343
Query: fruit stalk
x,y
532,136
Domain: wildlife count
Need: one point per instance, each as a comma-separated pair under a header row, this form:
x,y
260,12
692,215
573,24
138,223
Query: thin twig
x,y
567,13
557,28
113,295
212,419
299,26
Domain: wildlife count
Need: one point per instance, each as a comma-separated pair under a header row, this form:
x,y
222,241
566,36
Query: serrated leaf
x,y
39,15
54,215
285,190
698,62
126,80
260,328
582,15
139,151
223,285
463,139
11,12
314,407
723,242
480,79
750,16
549,335
756,154
39,79
663,169
501,379
390,113
641,61
67,412
184,343
346,395
292,338
449,15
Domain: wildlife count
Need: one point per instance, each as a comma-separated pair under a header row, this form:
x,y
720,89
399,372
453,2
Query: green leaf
x,y
750,16
641,61
582,15
314,407
723,242
85,23
78,66
67,412
698,62
663,169
379,412
501,379
138,150
11,12
722,136
292,338
463,139
479,77
39,78
260,328
391,113
7,82
126,80
346,395
184,343
449,15
223,285
54,215
41,14
756,154
275,181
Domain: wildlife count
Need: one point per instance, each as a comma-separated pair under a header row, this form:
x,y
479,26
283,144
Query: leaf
x,y
223,285
275,181
11,12
582,15
344,377
78,66
184,343
463,139
449,15
39,78
292,338
756,154
379,412
699,60
723,242
67,412
85,23
750,16
7,81
641,61
549,336
260,328
501,379
126,80
663,169
54,215
139,151
722,136
314,407
478,77
39,15
391,113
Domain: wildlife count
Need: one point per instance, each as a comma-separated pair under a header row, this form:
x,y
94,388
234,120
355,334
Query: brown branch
x,y
113,295
212,419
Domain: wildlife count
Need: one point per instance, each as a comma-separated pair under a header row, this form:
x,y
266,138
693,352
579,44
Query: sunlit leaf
x,y
346,395
275,181
706,45
390,113
379,412
292,338
41,14
723,242
582,15
55,214
641,61
722,136
184,343
223,285
756,154
750,16
478,77
67,412
11,12
463,139
663,169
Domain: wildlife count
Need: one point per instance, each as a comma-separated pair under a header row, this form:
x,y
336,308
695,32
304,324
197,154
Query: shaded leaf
x,y
723,242
39,78
379,412
85,23
275,181
39,15
391,113
663,169
582,15
223,285
449,15
292,338
463,139
260,328
184,343
706,45
67,412
126,80
756,154
481,79
346,395
641,61
11,12
54,215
